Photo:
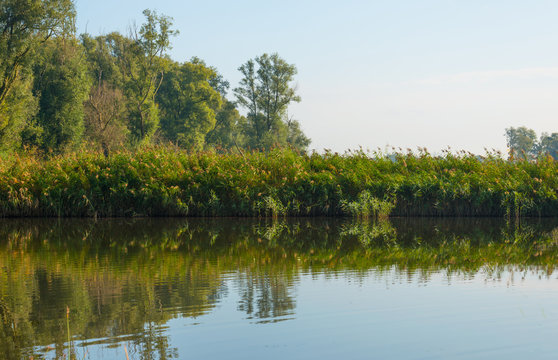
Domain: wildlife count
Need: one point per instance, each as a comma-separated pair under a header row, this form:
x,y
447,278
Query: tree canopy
x,y
188,103
25,26
59,91
266,91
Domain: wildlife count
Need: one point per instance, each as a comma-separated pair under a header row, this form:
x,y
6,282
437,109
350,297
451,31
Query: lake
x,y
407,288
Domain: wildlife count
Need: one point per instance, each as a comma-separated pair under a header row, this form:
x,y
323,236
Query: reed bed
x,y
164,181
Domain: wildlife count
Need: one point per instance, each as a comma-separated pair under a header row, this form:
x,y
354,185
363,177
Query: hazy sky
x,y
407,73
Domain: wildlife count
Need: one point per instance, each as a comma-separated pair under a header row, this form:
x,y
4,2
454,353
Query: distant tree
x,y
266,92
188,102
61,84
522,143
549,144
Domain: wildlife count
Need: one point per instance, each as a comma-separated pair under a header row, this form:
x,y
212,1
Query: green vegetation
x,y
523,144
264,90
60,91
166,181
163,139
366,205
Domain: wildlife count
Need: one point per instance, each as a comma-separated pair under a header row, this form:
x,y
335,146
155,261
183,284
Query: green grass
x,y
164,181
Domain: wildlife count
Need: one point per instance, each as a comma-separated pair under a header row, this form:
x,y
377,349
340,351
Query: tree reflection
x,y
265,296
125,279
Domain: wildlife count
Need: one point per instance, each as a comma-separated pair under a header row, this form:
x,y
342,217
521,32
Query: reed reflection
x,y
125,279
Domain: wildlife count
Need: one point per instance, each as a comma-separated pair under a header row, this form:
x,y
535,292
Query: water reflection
x,y
125,280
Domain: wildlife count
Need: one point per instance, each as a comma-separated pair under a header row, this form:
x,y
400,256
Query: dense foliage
x,y
60,91
165,181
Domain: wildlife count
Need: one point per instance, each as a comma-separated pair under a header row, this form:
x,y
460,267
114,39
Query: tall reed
x,y
163,181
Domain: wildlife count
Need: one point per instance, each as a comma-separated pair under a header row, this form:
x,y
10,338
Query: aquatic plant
x,y
367,205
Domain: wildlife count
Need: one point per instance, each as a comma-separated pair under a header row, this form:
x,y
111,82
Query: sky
x,y
377,74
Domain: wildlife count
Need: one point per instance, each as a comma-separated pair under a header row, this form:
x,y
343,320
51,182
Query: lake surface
x,y
278,289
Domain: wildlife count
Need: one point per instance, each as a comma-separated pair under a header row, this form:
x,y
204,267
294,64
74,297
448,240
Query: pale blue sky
x,y
407,73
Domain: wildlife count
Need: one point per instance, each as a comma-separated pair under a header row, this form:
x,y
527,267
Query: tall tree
x,y
522,143
24,25
266,92
142,65
188,102
61,83
16,113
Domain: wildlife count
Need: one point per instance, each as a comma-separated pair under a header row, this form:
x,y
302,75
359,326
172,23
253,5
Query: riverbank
x,y
163,181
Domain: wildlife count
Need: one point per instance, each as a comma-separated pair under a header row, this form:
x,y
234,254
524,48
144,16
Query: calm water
x,y
284,289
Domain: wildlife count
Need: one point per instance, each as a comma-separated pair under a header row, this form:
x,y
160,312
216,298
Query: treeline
x,y
524,145
60,91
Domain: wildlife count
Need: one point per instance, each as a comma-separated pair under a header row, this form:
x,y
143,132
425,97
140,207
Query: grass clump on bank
x,y
164,181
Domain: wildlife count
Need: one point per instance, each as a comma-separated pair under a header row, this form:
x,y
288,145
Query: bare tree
x,y
103,117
